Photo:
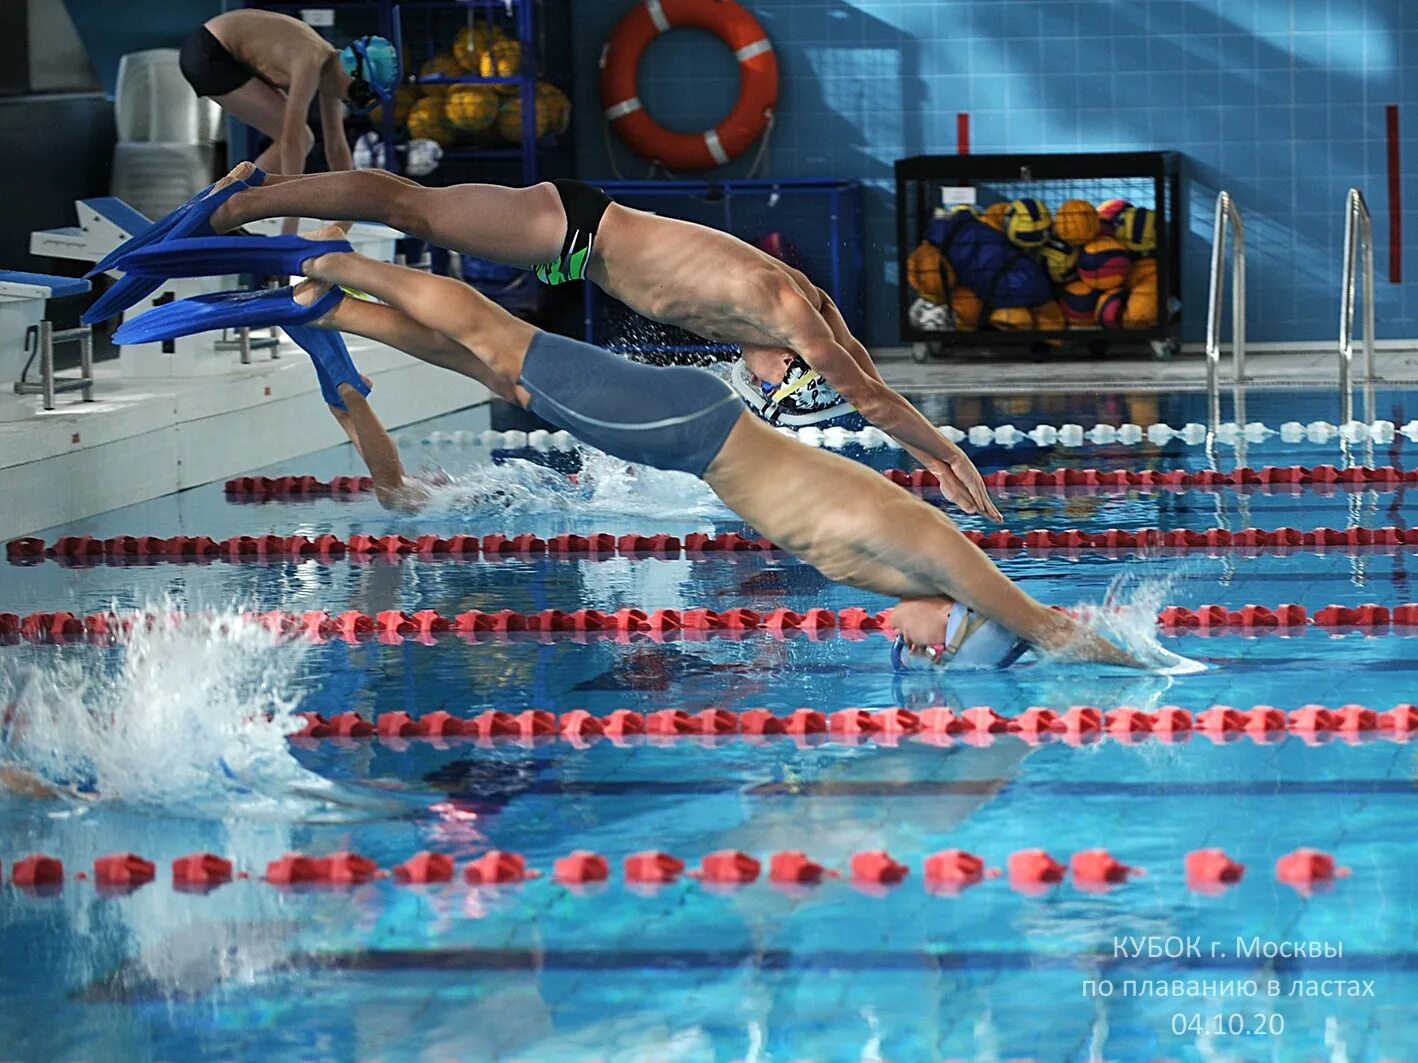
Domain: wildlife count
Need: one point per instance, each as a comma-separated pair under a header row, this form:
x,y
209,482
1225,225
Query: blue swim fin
x,y
333,364
128,291
218,310
155,231
217,256
190,219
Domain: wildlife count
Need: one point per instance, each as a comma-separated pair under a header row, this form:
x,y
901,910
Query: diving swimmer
x,y
676,272
841,517
265,69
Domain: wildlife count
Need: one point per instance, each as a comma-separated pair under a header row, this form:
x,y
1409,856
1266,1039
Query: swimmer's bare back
x,y
270,44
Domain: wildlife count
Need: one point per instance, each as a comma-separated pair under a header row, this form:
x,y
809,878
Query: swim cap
x,y
972,644
803,398
374,65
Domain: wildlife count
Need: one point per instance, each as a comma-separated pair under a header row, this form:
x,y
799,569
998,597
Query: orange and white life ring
x,y
758,82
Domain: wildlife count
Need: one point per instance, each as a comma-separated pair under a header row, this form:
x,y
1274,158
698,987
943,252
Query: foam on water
x,y
1128,617
189,714
604,485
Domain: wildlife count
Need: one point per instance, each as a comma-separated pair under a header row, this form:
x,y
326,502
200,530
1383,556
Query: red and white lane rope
x,y
1065,435
603,546
1028,871
980,725
687,624
1268,477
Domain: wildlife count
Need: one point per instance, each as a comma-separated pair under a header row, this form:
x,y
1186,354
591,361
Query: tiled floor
x,y
984,373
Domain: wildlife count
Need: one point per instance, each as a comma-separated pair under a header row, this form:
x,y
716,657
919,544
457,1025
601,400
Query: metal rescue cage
x,y
814,224
1145,179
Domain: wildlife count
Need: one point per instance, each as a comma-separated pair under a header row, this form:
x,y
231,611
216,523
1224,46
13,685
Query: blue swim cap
x,y
374,65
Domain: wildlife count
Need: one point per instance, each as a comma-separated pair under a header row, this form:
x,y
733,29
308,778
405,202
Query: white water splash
x,y
604,485
1128,617
188,715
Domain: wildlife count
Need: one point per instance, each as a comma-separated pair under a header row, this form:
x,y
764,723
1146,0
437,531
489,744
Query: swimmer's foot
x,y
224,220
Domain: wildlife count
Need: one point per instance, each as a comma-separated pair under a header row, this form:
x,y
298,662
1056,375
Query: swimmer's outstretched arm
x,y
856,527
373,443
811,333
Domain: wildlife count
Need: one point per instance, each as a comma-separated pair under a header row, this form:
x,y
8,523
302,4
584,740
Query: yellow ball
x,y
440,66
1143,275
509,119
1141,309
966,306
1136,229
503,59
557,105
1076,222
405,96
426,121
1104,263
1027,223
1012,318
994,215
470,44
471,107
1060,260
1049,317
928,273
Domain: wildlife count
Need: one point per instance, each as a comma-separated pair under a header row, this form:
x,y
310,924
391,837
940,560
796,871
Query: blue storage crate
x,y
820,219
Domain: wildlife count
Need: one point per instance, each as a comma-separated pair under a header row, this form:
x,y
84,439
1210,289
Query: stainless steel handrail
x,y
1227,217
1358,238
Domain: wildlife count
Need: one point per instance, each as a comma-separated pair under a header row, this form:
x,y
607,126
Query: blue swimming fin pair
x,y
218,256
191,219
333,364
218,310
203,204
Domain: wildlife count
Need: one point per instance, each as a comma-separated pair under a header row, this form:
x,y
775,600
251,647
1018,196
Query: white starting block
x,y
26,335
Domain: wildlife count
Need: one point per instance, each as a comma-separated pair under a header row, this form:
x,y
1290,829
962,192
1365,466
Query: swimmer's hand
x,y
962,484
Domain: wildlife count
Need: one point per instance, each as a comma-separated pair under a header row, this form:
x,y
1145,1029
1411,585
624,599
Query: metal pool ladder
x,y
1358,239
1227,217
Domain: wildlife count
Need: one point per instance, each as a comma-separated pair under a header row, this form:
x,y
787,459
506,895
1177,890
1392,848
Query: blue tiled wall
x,y
1281,102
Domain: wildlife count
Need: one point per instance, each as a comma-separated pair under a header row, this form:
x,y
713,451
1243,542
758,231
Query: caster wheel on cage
x,y
924,351
1165,350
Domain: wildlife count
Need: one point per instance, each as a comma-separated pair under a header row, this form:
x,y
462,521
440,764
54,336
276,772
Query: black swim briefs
x,y
209,68
584,205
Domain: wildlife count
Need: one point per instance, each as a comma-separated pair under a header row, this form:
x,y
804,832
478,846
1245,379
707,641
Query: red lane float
x,y
327,549
1030,871
1288,478
981,725
669,624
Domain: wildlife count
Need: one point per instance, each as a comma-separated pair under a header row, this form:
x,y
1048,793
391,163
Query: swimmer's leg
x,y
514,226
488,343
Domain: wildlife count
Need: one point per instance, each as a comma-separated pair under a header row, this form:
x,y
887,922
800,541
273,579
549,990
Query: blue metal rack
x,y
418,28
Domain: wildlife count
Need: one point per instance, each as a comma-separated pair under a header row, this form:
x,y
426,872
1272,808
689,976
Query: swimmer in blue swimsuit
x,y
843,518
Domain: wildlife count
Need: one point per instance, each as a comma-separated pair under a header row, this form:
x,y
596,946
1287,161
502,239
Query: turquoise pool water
x,y
171,729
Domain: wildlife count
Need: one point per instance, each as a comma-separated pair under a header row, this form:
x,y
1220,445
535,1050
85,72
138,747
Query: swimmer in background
x,y
265,69
792,336
839,516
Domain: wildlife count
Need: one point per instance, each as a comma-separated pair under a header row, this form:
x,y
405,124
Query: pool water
x,y
173,730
